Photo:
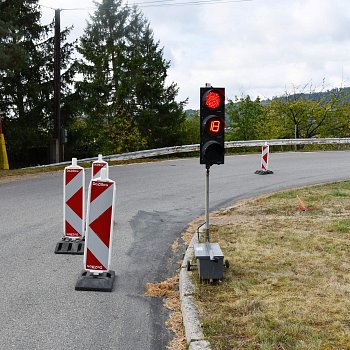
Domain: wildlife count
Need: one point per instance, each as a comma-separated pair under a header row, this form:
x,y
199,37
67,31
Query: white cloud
x,y
258,47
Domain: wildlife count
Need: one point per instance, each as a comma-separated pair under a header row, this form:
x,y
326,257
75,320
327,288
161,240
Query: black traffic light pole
x,y
212,150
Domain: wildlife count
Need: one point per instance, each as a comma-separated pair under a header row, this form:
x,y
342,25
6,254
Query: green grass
x,y
288,285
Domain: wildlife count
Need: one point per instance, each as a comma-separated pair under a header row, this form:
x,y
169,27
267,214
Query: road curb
x,y
190,315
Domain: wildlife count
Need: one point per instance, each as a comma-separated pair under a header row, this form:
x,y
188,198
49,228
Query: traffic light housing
x,y
212,125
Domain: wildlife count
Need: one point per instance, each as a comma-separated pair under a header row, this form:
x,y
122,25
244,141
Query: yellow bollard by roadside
x,y
4,163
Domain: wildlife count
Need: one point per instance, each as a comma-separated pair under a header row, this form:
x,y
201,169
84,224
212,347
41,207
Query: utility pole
x,y
56,154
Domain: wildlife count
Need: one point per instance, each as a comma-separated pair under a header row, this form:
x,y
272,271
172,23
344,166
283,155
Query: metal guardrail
x,y
288,142
195,148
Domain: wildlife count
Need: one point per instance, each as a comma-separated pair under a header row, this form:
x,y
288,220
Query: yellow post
x,y
4,163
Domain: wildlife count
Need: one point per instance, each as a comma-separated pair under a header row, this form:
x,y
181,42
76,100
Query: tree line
x,y
294,115
114,97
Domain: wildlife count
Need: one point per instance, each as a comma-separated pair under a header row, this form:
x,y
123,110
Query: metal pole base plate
x,y
98,283
264,172
70,246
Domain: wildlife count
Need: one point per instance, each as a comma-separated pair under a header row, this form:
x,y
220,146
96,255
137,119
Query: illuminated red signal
x,y
215,126
213,99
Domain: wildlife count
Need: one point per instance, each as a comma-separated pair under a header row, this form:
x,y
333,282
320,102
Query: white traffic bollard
x,y
96,275
265,151
265,157
73,210
97,166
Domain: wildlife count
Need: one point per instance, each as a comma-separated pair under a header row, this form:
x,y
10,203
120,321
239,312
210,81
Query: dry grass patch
x,y
288,285
168,290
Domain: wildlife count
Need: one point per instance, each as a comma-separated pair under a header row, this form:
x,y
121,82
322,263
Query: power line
x,y
166,3
158,3
47,7
69,9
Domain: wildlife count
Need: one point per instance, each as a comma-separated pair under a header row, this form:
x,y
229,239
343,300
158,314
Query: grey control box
x,y
210,261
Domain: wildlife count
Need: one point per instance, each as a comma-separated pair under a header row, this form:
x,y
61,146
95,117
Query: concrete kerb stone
x,y
193,330
200,345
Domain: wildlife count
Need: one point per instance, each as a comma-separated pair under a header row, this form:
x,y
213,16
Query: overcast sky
x,y
257,48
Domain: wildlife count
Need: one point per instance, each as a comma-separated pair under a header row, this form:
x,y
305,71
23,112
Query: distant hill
x,y
190,113
314,96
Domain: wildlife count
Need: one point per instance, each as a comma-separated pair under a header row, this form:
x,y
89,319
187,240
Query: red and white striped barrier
x,y
73,211
96,275
265,157
100,213
265,151
74,200
97,166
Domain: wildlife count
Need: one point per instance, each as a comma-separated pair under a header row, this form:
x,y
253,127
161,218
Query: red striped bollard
x,y
73,210
97,166
96,275
265,150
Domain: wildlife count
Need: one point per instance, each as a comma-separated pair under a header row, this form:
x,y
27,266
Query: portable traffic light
x,y
212,128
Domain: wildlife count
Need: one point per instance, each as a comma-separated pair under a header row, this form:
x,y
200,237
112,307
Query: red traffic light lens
x,y
213,99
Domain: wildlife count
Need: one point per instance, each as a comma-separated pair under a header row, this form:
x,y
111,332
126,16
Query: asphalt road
x,y
39,308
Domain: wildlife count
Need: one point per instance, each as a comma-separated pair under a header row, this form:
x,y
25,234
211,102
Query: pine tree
x,y
159,116
124,70
26,79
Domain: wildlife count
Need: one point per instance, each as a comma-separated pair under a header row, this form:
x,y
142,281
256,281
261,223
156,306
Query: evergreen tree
x,y
124,70
26,79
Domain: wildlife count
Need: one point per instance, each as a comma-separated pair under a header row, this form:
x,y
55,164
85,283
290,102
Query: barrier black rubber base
x,y
70,246
98,283
264,172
